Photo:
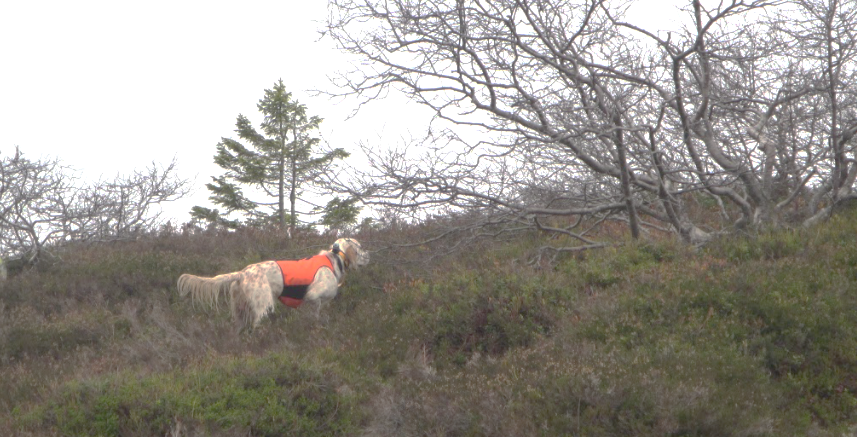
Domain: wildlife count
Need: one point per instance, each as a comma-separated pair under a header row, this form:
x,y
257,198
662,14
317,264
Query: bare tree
x,y
821,35
29,191
584,116
124,207
41,207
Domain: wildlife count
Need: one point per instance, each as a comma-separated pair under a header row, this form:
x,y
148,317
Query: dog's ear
x,y
350,253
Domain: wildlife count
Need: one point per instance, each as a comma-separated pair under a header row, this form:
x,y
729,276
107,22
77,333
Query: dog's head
x,y
351,251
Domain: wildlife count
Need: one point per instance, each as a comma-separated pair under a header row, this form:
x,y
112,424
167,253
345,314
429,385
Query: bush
x,y
272,396
747,336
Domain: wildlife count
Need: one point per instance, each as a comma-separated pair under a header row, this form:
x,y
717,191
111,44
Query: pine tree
x,y
276,162
340,214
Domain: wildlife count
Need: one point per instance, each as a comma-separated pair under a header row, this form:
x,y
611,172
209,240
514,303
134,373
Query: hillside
x,y
753,335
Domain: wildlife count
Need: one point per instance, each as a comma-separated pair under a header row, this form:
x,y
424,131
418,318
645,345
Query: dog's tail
x,y
207,290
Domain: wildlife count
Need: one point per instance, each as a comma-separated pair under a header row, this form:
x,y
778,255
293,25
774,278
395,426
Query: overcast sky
x,y
107,87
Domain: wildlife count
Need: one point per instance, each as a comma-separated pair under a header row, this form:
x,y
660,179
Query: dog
x,y
253,290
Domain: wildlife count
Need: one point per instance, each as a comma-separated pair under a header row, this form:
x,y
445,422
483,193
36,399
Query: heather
x,y
750,334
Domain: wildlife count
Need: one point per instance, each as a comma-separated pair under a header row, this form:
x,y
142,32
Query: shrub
x,y
271,396
751,335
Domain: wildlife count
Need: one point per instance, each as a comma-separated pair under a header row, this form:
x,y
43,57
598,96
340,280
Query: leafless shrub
x,y
419,366
42,205
398,414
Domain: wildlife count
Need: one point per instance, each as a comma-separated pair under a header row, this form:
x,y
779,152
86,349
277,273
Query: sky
x,y
107,87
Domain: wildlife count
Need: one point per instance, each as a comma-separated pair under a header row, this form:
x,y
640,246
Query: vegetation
x,y
749,335
43,204
280,161
606,109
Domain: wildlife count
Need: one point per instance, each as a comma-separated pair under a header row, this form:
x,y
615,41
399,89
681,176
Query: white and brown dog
x,y
253,291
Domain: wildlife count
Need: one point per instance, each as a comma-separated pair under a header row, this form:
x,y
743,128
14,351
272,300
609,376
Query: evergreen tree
x,y
277,162
340,214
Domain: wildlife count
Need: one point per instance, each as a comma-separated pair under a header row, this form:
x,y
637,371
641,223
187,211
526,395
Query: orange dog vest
x,y
297,275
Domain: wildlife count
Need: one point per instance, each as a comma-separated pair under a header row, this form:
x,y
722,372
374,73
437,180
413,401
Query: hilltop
x,y
749,335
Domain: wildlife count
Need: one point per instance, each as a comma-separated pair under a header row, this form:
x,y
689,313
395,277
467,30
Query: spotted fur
x,y
253,291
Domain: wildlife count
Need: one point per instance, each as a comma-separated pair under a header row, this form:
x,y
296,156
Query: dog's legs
x,y
323,288
259,293
252,296
242,312
318,304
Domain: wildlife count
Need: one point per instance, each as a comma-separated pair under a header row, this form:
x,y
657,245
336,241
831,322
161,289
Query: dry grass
x,y
751,336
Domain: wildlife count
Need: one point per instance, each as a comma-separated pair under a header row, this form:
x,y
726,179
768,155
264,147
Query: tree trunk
x,y
625,177
281,194
293,193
